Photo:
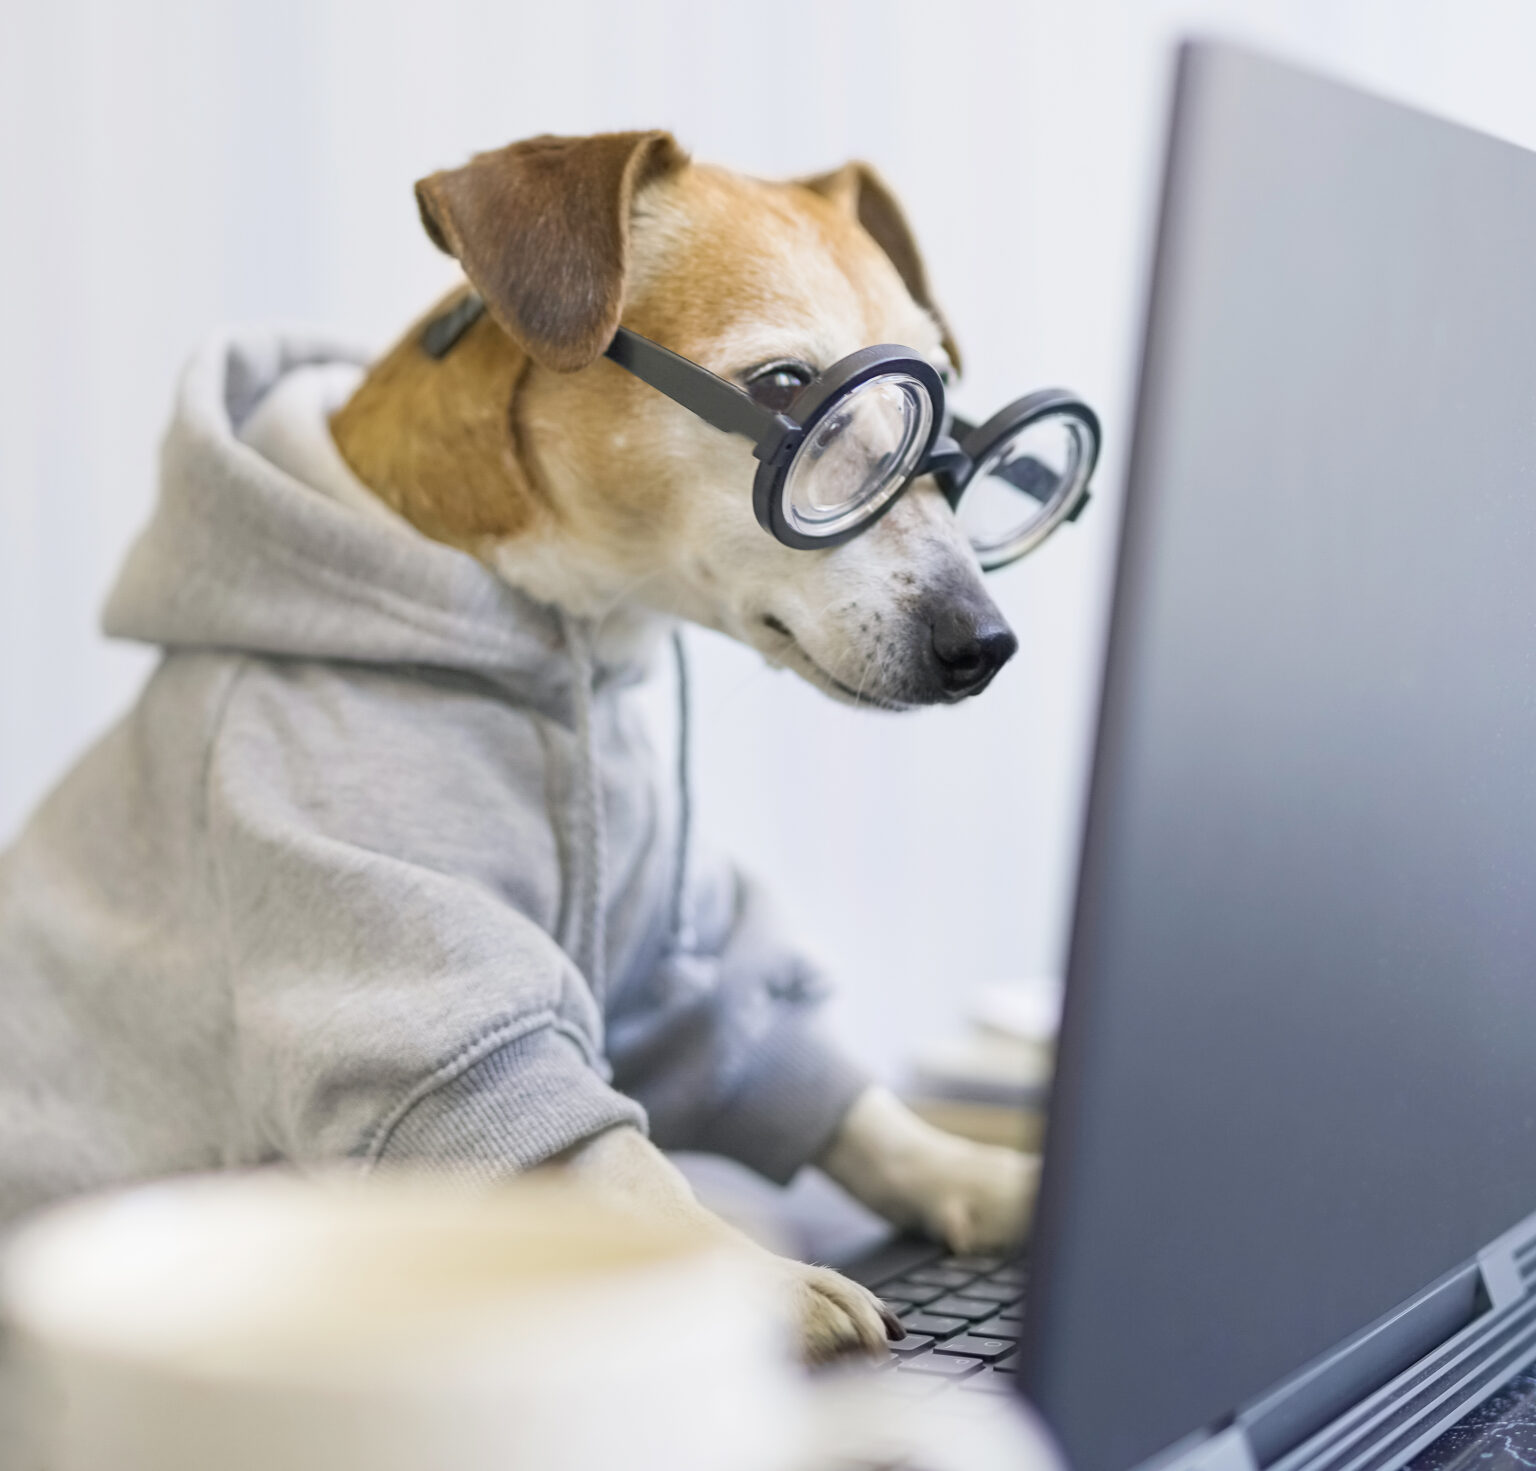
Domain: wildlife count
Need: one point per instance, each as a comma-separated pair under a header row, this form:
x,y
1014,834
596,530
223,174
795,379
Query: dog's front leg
x,y
974,1197
835,1317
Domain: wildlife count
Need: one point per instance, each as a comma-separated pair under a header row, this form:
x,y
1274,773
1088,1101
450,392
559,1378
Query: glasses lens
x,y
859,455
1024,486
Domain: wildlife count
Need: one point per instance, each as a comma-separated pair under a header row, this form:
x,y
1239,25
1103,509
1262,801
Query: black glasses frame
x,y
777,436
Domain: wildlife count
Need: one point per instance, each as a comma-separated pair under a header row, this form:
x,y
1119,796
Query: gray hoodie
x,y
377,868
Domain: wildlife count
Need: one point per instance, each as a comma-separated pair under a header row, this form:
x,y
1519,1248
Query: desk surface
x,y
1500,1435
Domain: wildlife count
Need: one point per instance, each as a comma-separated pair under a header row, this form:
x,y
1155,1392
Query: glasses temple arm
x,y
714,399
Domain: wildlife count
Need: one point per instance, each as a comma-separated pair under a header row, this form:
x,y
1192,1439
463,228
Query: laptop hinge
x,y
1328,1388
1502,1279
1221,1450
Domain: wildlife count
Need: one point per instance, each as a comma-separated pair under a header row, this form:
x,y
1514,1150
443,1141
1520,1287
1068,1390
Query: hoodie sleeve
x,y
395,995
722,1043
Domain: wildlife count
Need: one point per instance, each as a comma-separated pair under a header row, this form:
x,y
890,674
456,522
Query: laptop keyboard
x,y
961,1314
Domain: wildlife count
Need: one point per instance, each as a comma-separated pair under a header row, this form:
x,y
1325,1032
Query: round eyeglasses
x,y
847,443
839,455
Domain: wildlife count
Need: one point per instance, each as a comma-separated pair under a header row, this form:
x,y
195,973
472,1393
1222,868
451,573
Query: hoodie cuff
x,y
514,1108
789,1104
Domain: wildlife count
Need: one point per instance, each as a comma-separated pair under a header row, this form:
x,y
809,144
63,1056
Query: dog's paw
x,y
834,1317
978,1197
973,1197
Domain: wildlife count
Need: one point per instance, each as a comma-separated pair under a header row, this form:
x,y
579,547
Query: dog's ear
x,y
542,230
857,188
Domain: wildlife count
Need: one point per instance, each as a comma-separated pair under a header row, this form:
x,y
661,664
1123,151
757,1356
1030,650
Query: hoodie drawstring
x,y
588,828
589,877
680,932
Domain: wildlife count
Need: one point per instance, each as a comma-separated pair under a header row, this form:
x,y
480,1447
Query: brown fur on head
x,y
590,490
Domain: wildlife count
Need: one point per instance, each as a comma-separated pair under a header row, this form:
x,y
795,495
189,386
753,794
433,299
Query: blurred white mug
x,y
265,1323
269,1324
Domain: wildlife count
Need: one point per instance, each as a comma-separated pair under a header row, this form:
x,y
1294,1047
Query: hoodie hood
x,y
240,555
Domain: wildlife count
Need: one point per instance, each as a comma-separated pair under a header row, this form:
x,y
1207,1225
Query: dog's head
x,y
765,284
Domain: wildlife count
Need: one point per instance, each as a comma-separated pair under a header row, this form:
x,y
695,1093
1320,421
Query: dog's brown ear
x,y
857,188
542,230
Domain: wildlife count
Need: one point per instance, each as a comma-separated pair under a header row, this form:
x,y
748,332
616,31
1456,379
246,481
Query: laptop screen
x,y
1298,1064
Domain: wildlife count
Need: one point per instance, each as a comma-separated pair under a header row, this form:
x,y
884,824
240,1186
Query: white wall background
x,y
175,164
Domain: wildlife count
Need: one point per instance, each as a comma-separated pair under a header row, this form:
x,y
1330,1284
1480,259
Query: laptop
x,y
1286,1212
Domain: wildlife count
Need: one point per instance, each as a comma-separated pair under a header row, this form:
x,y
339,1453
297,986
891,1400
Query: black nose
x,y
971,648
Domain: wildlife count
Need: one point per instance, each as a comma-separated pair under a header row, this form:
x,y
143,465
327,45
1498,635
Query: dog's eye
x,y
775,386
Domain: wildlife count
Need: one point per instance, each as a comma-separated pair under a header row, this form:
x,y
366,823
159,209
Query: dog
x,y
593,493
375,868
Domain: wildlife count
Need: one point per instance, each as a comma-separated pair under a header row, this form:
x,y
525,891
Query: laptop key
x,y
972,1263
1010,1276
895,1260
914,1343
939,1365
991,1291
916,1293
940,1276
973,1345
969,1308
1009,1365
996,1328
1014,1312
930,1323
899,1306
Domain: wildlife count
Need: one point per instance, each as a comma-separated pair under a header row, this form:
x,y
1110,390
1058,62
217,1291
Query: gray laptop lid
x,y
1298,1064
